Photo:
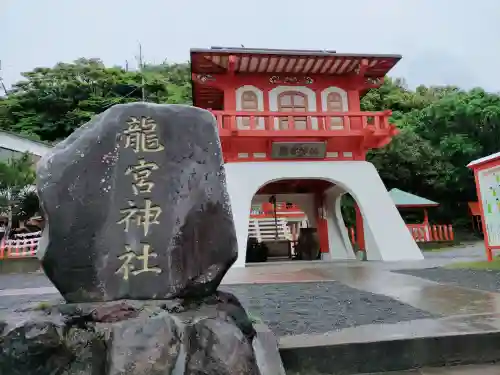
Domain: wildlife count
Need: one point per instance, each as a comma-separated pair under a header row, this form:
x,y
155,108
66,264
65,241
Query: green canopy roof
x,y
402,198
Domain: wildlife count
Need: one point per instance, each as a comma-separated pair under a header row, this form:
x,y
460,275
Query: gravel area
x,y
288,309
301,308
474,279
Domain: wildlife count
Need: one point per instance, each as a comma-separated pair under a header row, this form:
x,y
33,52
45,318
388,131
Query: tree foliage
x,y
49,103
442,128
18,199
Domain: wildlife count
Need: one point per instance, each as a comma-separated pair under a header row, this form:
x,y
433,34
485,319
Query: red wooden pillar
x,y
321,224
360,229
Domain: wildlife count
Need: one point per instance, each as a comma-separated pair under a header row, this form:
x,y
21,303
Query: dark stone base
x,y
213,336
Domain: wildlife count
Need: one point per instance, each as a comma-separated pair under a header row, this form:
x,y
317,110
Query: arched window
x,y
249,103
334,104
293,101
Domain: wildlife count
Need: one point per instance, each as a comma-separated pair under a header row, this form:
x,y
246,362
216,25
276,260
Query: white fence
x,y
265,229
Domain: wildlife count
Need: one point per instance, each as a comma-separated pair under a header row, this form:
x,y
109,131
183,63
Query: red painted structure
x,y
478,166
475,214
422,232
320,103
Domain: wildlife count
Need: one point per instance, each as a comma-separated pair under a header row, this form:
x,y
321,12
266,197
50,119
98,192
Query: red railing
x,y
24,245
331,122
282,209
431,233
19,248
422,233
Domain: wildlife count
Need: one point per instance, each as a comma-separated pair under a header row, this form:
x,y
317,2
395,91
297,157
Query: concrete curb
x,y
393,355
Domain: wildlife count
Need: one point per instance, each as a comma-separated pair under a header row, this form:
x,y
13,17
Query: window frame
x,y
300,121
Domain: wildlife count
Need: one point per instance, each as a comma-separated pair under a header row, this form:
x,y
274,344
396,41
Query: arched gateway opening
x,y
290,219
304,219
317,189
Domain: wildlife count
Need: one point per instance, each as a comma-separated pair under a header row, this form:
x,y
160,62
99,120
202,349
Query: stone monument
x,y
138,236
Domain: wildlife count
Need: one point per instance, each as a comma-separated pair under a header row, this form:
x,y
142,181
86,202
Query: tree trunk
x,y
9,224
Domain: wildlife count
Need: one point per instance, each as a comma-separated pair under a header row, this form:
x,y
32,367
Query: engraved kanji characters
x,y
141,135
140,173
128,266
145,216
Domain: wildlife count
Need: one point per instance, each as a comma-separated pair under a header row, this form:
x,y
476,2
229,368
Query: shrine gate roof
x,y
484,160
274,61
403,199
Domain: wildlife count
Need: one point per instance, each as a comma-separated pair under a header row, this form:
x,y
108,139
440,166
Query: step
x,y
459,340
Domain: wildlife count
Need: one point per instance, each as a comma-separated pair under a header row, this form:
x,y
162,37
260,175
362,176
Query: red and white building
x,y
291,126
487,177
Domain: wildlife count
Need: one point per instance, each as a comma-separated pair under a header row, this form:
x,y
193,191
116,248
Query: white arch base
x,y
386,235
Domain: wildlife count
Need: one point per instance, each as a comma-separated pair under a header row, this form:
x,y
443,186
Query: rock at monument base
x,y
136,206
210,337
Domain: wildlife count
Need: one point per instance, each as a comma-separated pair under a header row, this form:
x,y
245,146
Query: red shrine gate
x,y
290,120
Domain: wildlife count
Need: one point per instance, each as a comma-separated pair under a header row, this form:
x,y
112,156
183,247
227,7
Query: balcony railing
x,y
297,123
282,209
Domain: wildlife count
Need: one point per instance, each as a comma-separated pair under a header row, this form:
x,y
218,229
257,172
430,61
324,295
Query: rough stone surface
x,y
136,206
212,336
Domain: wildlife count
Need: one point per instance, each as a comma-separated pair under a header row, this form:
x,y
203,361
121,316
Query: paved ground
x,y
471,250
20,281
459,370
311,297
291,308
358,301
303,308
473,279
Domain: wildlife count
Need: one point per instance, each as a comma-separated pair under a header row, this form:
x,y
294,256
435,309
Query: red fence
x,y
22,247
422,233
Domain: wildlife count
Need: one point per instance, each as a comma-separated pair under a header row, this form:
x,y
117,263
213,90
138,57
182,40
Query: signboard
x,y
489,186
298,150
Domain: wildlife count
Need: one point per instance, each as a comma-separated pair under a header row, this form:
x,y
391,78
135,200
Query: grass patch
x,y
438,246
43,306
481,265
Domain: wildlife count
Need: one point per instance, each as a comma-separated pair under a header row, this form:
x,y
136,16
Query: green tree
x,y
442,128
18,199
50,103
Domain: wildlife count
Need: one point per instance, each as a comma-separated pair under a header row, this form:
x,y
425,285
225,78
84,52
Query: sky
x,y
443,42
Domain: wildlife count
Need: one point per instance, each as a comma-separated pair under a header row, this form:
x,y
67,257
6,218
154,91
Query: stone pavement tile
x,y
456,370
408,372
19,281
464,370
427,295
486,280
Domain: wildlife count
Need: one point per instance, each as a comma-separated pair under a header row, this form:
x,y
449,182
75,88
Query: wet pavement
x,y
422,328
493,369
348,302
376,286
486,280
